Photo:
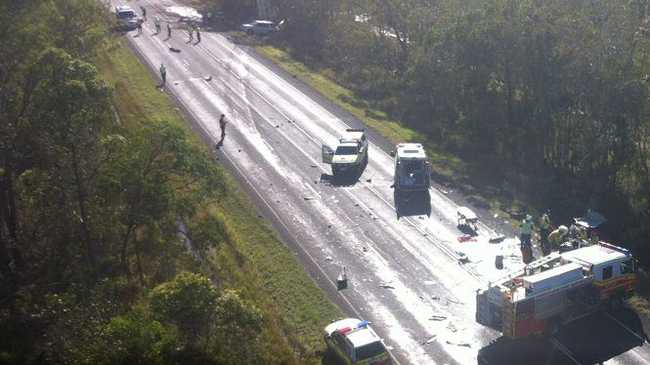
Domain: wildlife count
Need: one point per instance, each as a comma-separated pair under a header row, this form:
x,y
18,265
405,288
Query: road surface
x,y
409,276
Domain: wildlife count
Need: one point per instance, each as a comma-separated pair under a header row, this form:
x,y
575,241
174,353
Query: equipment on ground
x,y
350,155
412,168
355,342
557,289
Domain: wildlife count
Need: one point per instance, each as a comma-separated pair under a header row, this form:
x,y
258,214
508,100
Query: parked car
x,y
259,27
127,18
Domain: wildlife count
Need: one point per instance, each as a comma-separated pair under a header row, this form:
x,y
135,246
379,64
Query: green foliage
x,y
188,301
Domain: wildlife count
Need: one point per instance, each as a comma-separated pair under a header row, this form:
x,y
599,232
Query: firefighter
x,y
544,230
525,231
556,238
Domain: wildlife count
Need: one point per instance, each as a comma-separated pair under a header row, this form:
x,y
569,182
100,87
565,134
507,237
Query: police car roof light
x,y
363,324
344,330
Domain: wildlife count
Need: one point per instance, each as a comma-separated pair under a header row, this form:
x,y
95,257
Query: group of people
x,y
549,240
163,70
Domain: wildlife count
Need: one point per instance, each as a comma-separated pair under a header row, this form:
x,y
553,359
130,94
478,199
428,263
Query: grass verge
x,y
253,260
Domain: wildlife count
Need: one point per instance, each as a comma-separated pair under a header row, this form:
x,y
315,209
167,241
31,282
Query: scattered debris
x,y
342,280
308,197
386,286
466,238
496,215
239,150
314,166
329,226
172,49
364,249
208,78
451,327
277,126
454,301
430,340
329,258
435,298
437,318
498,239
368,180
463,344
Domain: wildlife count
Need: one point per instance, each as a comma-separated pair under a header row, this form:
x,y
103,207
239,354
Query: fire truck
x,y
557,289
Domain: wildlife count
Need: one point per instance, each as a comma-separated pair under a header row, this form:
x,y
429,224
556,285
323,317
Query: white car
x,y
259,27
356,343
350,153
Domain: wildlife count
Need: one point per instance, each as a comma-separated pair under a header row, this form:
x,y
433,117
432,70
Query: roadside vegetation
x,y
121,239
530,105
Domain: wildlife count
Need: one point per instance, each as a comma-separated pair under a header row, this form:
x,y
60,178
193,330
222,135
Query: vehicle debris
x,y
497,239
176,50
386,286
437,318
208,78
430,340
462,344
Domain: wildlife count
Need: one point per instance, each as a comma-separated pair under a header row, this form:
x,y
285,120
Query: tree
x,y
188,301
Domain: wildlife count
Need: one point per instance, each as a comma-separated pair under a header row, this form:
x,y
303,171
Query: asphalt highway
x,y
409,276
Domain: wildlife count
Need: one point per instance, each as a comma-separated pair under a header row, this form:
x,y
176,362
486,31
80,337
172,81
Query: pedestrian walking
x,y
169,31
163,74
198,35
191,33
144,12
139,27
222,125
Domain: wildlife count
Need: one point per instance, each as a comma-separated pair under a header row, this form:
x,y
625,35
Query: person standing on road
x,y
525,231
169,31
163,74
139,27
156,22
544,230
198,35
144,13
222,125
191,33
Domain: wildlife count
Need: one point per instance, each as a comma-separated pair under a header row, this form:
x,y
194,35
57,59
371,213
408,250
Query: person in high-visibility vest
x,y
525,232
556,238
544,230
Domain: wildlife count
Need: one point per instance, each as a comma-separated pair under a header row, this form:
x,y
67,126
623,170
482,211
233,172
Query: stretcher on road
x,y
467,220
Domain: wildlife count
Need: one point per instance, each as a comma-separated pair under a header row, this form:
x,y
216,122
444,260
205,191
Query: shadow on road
x,y
348,178
409,204
591,340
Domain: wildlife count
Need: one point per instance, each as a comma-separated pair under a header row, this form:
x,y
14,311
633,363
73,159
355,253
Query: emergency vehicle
x,y
356,343
412,169
557,289
350,153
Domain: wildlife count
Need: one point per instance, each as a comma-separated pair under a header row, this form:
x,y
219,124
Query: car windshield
x,y
347,150
370,350
126,14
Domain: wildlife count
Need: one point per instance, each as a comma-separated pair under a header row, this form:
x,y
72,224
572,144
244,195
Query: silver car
x,y
259,27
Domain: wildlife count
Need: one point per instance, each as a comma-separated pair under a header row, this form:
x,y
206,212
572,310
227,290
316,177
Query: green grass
x,y
253,260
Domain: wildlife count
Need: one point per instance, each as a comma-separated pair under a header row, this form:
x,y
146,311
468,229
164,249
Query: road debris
x,y
462,344
497,239
466,238
342,280
313,166
430,340
309,198
436,317
462,258
386,286
208,78
329,258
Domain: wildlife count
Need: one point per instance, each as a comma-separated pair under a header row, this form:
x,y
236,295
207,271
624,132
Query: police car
x,y
356,343
350,153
